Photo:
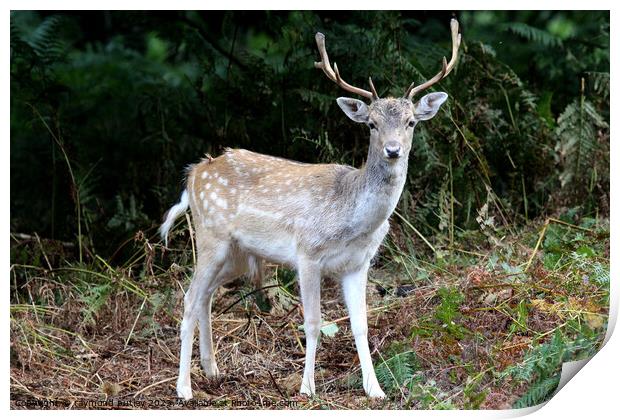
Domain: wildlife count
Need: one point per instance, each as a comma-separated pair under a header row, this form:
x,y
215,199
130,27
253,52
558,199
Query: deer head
x,y
391,120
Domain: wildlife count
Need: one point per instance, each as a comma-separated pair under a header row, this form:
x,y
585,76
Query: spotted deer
x,y
320,219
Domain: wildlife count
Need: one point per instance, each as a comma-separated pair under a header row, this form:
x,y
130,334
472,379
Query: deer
x,y
322,220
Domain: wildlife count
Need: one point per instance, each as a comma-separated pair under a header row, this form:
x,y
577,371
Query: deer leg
x,y
204,275
184,387
230,271
354,287
310,288
207,354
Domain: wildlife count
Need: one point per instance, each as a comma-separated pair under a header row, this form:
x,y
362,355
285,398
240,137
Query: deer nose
x,y
392,150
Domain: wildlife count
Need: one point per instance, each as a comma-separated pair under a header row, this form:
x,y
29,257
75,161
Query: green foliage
x,y
519,323
512,349
578,137
134,97
473,393
127,217
448,312
94,297
396,371
539,392
428,396
582,147
542,365
579,252
531,33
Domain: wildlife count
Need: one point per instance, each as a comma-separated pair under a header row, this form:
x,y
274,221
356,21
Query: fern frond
x,y
601,83
45,39
540,392
577,133
536,35
397,371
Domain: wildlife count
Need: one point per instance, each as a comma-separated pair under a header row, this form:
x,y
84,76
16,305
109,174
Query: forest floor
x,y
474,326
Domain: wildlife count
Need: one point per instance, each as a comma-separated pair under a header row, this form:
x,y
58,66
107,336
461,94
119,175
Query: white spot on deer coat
x,y
221,202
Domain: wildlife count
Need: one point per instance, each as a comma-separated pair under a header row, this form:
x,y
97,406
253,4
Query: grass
x,y
471,325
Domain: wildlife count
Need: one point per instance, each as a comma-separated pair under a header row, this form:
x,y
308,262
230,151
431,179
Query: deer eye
x,y
411,123
372,126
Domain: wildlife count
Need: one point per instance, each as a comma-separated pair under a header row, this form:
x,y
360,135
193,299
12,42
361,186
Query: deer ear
x,y
428,105
354,108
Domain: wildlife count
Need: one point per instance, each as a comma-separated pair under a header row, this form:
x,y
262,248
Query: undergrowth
x,y
482,327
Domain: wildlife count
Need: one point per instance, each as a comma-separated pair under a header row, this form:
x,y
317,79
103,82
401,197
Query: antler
x,y
446,67
334,75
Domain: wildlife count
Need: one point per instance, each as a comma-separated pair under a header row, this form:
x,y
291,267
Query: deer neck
x,y
375,190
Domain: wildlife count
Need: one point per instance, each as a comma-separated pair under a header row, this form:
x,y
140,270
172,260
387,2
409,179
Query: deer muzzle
x,y
392,150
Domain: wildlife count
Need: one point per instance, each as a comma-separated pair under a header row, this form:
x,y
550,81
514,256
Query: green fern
x,y
94,298
577,138
129,216
539,392
542,366
19,47
539,36
397,371
428,396
595,271
600,82
542,360
45,39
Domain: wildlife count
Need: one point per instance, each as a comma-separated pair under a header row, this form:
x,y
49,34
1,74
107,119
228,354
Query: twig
x,y
76,195
35,237
297,339
134,323
191,237
154,385
25,388
245,296
540,238
478,254
416,231
561,222
276,384
542,235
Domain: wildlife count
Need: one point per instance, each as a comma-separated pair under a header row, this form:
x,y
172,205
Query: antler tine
x,y
375,95
334,75
406,95
446,68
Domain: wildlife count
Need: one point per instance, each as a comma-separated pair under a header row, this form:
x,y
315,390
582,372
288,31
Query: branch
x,y
213,42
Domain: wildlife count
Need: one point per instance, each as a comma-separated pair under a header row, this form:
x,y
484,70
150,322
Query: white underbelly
x,y
279,248
345,260
273,243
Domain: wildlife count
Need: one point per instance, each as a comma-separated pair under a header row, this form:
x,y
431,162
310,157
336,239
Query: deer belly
x,y
272,245
345,260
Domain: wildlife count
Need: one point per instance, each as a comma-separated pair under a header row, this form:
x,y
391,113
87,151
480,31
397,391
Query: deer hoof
x,y
210,368
377,394
306,390
374,391
184,391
